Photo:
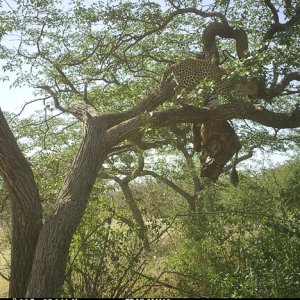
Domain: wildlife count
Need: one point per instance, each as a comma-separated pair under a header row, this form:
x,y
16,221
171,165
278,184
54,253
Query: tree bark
x,y
238,110
25,208
52,249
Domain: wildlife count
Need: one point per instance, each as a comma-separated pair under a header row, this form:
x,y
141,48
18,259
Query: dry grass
x,y
4,256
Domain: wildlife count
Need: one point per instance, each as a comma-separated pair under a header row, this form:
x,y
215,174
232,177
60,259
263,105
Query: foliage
x,y
105,260
248,245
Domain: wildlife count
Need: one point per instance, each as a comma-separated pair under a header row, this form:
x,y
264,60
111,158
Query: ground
x,y
3,268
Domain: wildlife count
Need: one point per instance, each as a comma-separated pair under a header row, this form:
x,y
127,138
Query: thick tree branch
x,y
239,110
269,4
223,30
192,114
59,227
280,27
148,104
279,88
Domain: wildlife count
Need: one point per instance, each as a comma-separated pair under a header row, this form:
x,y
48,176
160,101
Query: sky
x,y
13,99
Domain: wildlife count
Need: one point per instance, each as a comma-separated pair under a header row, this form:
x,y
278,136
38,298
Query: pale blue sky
x,y
12,99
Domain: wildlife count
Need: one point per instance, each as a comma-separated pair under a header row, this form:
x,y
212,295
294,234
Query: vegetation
x,y
102,194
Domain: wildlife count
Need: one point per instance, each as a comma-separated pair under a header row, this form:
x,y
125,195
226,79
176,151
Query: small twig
x,y
42,122
24,106
4,277
106,220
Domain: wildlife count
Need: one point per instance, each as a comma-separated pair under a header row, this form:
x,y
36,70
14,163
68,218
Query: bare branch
x,y
41,122
269,4
65,79
24,106
49,90
279,88
280,27
170,183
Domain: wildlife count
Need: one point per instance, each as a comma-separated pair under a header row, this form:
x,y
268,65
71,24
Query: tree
x,y
100,64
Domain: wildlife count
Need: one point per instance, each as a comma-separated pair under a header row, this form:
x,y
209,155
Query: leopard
x,y
191,71
216,142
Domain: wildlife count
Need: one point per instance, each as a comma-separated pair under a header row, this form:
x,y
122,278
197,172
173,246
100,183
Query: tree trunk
x,y
52,249
25,207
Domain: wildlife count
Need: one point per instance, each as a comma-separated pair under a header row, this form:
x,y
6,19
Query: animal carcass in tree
x,y
219,143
